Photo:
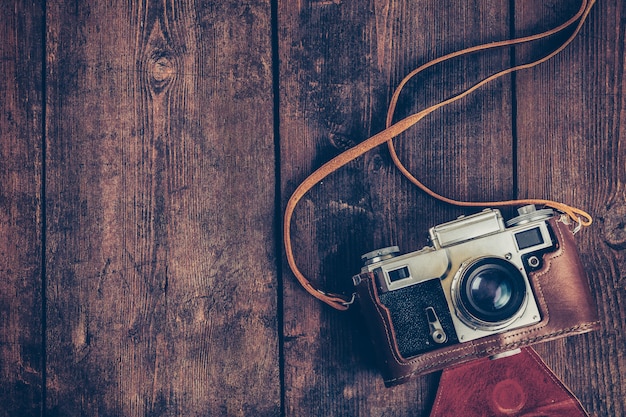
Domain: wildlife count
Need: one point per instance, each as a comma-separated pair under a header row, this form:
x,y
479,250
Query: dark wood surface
x,y
21,209
147,150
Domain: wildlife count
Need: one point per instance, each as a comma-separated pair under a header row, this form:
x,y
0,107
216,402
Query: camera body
x,y
472,283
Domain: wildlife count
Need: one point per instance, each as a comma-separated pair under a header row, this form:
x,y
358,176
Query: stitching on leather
x,y
573,329
382,317
501,348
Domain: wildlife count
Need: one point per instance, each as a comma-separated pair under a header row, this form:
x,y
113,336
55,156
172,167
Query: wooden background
x,y
147,150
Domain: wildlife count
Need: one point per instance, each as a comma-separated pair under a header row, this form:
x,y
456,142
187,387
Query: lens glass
x,y
492,290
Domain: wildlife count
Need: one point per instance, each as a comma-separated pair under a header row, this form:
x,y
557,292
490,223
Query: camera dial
x,y
489,293
379,255
529,214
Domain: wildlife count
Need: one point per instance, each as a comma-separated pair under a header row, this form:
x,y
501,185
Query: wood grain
x,y
162,286
339,64
571,148
21,156
146,151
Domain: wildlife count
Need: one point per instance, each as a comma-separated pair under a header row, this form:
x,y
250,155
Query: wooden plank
x,y
160,202
339,64
21,113
571,140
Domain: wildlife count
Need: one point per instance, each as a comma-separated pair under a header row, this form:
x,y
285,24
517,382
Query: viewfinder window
x,y
529,238
398,274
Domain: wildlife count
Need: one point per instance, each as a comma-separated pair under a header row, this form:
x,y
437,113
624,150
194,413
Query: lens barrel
x,y
490,293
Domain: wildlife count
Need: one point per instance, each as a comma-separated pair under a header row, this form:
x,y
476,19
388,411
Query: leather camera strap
x,y
342,302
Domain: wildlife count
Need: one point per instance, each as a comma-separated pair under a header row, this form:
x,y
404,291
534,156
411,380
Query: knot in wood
x,y
162,71
340,141
615,226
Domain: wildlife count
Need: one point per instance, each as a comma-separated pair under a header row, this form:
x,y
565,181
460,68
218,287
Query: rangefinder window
x,y
398,274
529,238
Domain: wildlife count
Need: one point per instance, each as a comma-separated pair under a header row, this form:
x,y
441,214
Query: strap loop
x,y
341,302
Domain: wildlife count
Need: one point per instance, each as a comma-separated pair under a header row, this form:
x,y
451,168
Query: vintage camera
x,y
472,283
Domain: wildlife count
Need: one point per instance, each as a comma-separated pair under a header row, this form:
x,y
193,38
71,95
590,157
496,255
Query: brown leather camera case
x,y
562,293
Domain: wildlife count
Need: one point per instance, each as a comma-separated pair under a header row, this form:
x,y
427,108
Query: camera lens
x,y
491,291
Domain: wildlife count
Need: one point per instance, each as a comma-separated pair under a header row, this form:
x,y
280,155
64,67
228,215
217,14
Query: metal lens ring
x,y
490,293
